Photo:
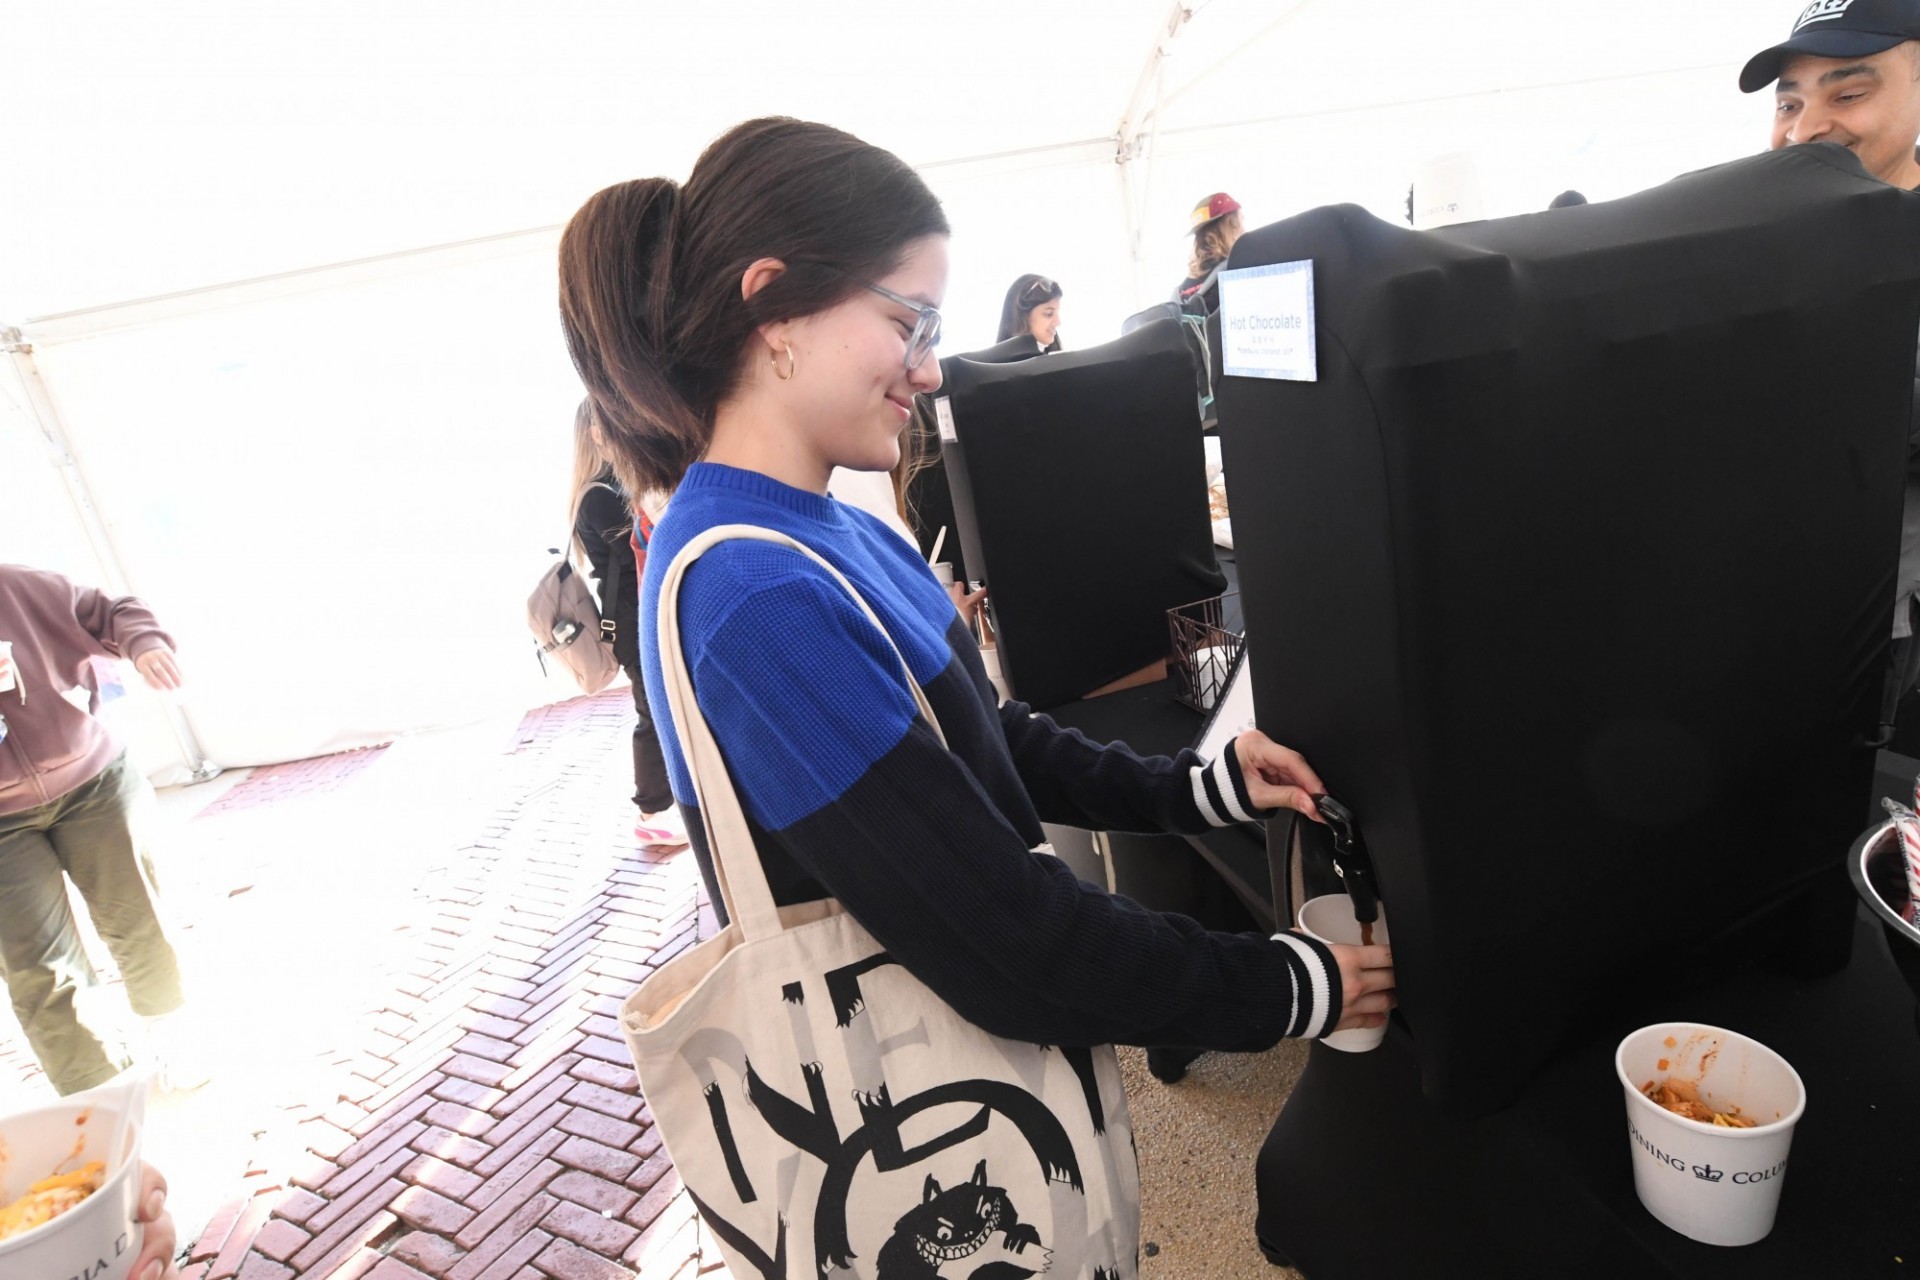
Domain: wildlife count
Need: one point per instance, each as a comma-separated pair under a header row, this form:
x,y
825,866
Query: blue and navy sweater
x,y
850,794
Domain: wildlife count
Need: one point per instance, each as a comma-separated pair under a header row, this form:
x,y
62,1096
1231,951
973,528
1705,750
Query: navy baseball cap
x,y
1836,29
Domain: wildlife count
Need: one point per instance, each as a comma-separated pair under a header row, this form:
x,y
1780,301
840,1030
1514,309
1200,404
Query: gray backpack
x,y
567,623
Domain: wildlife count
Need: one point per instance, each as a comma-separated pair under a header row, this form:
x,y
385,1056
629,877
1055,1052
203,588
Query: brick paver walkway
x,y
482,1121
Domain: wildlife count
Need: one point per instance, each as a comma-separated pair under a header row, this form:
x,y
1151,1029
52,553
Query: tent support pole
x,y
53,430
1131,146
1239,51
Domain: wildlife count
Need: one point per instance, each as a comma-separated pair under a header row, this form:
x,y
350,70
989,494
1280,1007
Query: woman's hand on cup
x,y
1366,985
156,1248
1277,777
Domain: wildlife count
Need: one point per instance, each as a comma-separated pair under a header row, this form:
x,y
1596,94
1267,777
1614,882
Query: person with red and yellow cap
x,y
1214,226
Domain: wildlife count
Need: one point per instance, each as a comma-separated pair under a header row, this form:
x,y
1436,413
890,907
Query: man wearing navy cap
x,y
1850,74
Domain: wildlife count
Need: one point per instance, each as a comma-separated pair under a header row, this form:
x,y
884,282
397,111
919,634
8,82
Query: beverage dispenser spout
x,y
1351,860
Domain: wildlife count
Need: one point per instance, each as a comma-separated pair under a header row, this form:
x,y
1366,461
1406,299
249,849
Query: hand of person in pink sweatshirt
x,y
160,668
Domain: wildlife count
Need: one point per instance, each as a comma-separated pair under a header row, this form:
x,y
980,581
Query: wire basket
x,y
1203,651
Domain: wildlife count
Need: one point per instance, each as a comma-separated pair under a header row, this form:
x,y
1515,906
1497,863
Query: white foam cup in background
x,y
1711,1184
1210,444
943,572
1446,192
1330,919
1211,663
97,1238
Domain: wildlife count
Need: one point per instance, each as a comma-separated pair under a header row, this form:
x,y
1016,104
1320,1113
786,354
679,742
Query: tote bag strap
x,y
736,863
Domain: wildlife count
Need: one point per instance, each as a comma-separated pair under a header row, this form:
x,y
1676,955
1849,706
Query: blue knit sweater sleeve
x,y
809,705
802,691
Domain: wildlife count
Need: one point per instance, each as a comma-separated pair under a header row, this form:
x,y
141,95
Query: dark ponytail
x,y
616,295
650,275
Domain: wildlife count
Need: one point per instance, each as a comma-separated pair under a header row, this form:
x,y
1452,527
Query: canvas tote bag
x,y
829,1113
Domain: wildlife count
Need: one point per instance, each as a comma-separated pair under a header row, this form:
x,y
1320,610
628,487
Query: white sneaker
x,y
663,830
181,1060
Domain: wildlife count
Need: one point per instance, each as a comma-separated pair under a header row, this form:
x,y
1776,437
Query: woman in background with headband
x,y
1032,307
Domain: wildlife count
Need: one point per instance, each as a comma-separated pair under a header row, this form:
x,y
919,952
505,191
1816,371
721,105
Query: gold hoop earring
x,y
773,358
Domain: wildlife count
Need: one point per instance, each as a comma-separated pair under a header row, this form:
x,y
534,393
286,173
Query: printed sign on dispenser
x,y
1266,322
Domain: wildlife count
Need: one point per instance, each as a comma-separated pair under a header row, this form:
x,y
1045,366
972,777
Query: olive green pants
x,y
96,835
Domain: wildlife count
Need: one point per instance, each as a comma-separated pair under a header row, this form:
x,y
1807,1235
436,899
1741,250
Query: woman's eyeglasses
x,y
926,330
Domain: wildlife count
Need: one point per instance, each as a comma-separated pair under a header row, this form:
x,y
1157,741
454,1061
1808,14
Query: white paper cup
x,y
1330,919
7,679
98,1238
943,572
1714,1185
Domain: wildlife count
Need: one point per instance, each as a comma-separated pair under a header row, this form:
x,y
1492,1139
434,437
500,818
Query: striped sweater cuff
x,y
1316,986
1220,792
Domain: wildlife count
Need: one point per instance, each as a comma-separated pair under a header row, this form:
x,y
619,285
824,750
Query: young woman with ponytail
x,y
743,334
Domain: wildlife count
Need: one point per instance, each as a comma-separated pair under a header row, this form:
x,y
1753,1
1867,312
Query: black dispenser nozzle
x,y
1351,861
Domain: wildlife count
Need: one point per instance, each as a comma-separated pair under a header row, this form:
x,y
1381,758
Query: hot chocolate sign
x,y
1266,322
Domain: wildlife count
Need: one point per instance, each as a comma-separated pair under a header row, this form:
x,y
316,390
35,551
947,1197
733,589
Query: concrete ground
x,y
1197,1142
406,962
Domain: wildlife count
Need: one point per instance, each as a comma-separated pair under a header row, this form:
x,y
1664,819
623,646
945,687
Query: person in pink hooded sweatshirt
x,y
73,807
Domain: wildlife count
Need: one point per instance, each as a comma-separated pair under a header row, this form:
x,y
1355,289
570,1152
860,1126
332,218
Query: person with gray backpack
x,y
606,532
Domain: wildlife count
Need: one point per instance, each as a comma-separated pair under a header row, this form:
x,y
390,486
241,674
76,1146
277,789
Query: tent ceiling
x,y
154,148
1298,59
180,153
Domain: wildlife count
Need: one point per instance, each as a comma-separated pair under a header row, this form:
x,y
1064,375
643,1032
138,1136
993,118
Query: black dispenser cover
x,y
1020,346
1574,574
1080,496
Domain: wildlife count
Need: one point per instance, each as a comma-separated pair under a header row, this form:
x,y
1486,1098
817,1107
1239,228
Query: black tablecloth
x,y
1150,720
1363,1179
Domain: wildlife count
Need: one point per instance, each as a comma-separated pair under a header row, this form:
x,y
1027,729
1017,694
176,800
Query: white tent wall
x,y
40,525
338,496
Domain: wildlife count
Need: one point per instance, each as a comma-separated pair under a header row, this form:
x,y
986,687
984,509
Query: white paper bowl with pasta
x,y
96,1239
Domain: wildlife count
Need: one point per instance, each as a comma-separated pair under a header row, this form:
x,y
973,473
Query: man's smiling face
x,y
1869,105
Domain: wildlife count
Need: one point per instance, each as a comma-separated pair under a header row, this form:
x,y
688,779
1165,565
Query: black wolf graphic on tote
x,y
970,1231
952,1234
